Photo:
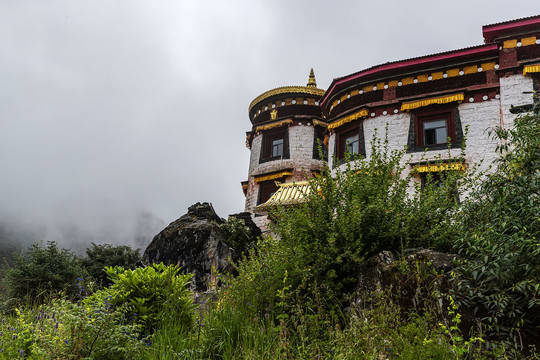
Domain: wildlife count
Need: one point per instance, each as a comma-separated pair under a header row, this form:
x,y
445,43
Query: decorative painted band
x,y
273,125
439,167
407,106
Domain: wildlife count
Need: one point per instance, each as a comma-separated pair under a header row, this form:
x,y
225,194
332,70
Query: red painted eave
x,y
491,32
410,64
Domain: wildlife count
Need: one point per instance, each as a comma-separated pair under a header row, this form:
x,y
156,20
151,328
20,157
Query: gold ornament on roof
x,y
273,114
311,82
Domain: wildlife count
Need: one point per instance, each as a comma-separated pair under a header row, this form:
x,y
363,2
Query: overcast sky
x,y
113,109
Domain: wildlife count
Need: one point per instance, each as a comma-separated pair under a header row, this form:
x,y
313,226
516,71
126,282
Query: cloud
x,y
109,110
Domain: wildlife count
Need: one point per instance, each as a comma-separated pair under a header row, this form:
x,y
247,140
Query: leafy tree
x,y
500,280
41,271
100,256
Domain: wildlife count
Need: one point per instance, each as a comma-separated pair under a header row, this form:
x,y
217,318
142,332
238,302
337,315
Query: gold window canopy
x,y
273,176
410,105
532,68
347,119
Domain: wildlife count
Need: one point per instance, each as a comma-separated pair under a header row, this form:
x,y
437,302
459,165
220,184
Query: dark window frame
x,y
269,136
437,112
266,190
318,139
345,132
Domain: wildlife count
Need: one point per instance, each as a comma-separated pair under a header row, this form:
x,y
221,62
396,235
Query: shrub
x,y
500,280
41,271
64,330
100,256
148,294
367,208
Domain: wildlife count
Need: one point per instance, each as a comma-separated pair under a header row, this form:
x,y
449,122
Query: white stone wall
x,y
478,117
515,90
300,144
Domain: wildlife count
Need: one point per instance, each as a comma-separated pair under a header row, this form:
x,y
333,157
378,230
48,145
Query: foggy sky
x,y
113,111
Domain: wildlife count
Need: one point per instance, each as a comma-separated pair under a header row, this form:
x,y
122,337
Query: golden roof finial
x,y
311,81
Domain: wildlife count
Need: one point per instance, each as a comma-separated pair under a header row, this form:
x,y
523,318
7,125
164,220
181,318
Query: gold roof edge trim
x,y
284,90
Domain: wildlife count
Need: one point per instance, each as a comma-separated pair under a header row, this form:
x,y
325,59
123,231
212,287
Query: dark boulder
x,y
199,243
409,280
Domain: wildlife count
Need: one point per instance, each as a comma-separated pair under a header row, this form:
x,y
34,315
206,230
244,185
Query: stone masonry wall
x,y
300,142
478,117
515,90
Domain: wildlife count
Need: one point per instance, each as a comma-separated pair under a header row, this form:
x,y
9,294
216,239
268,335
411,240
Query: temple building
x,y
427,103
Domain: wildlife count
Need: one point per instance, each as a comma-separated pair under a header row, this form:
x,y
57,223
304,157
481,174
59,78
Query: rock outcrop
x,y
385,274
198,242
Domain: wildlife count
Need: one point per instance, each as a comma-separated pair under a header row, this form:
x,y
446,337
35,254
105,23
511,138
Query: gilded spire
x,y
311,81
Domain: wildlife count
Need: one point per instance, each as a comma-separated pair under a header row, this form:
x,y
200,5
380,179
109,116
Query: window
x,y
274,145
435,128
351,144
277,147
435,132
320,142
266,190
439,182
432,130
350,140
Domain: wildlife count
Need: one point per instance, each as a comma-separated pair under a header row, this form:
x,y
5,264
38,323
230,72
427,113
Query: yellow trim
x,y
380,85
437,100
262,178
360,114
528,41
319,123
510,44
355,92
488,66
422,78
392,83
437,75
534,68
368,88
407,81
439,167
273,125
470,69
303,90
452,72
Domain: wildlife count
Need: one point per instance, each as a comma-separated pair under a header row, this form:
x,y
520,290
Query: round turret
x,y
287,129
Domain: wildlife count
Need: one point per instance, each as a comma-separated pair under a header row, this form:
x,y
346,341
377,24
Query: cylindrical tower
x,y
287,123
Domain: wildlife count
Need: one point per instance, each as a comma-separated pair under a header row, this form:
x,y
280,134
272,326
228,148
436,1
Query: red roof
x,y
410,64
493,31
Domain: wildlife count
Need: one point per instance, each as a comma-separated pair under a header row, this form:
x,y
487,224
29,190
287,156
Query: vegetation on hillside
x,y
294,298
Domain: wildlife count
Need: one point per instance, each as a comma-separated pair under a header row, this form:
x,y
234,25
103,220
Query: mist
x,y
115,117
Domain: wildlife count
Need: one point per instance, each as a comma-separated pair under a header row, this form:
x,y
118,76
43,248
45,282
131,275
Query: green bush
x,y
100,256
64,330
40,272
148,294
500,279
353,214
